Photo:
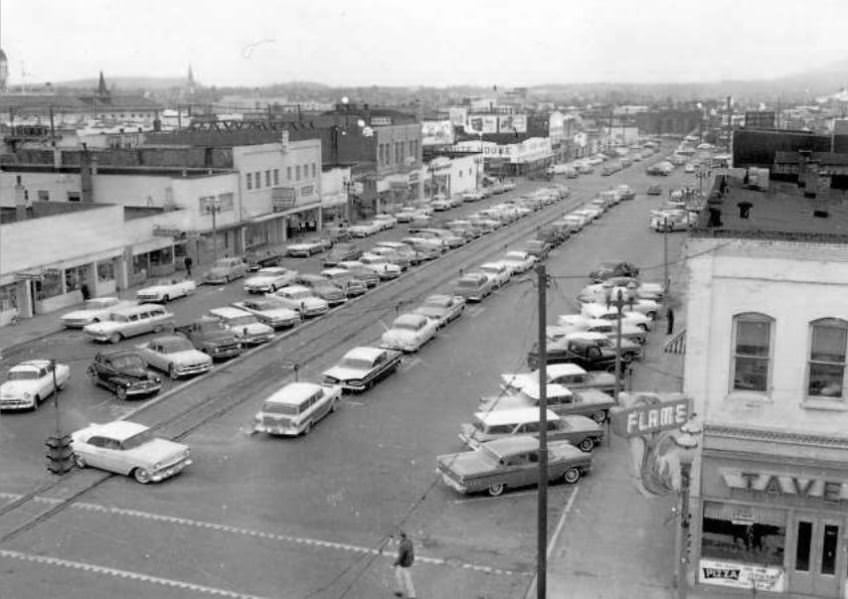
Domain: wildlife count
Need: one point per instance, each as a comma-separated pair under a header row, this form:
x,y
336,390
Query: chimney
x,y
20,202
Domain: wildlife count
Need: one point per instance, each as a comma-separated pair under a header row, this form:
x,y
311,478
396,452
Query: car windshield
x,y
137,440
274,407
261,305
129,361
175,345
356,363
241,320
23,375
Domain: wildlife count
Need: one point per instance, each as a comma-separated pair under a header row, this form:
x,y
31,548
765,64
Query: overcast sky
x,y
426,42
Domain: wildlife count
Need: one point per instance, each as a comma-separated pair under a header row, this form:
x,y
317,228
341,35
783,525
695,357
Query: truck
x,y
588,354
211,337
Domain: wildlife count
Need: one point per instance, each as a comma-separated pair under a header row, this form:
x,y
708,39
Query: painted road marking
x,y
225,528
126,574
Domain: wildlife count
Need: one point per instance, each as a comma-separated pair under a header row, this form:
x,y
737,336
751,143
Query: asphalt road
x,y
306,517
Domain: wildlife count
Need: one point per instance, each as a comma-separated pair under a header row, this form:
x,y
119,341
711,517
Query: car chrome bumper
x,y
197,369
170,471
16,403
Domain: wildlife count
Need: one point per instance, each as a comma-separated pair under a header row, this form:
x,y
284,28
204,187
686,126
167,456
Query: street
x,y
315,516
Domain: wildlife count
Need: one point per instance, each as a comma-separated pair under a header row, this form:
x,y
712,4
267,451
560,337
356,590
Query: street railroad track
x,y
176,414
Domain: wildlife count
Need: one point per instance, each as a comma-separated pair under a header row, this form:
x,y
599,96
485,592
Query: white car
x,y
472,196
270,311
296,407
404,215
499,272
31,382
599,310
570,375
383,269
301,300
576,221
94,310
269,279
306,248
129,448
442,308
610,329
244,325
386,221
175,355
409,332
365,229
518,261
441,204
164,290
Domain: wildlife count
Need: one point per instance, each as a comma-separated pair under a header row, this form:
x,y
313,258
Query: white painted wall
x,y
463,174
794,283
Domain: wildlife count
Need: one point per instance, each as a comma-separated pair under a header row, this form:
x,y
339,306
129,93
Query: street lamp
x,y
618,302
213,207
349,186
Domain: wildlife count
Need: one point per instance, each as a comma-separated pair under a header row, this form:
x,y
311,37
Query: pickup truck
x,y
589,355
211,337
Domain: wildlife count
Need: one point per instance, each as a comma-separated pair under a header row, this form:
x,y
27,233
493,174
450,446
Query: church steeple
x,y
190,77
102,90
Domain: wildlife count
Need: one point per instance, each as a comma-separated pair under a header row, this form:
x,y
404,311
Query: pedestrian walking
x,y
403,564
188,262
669,317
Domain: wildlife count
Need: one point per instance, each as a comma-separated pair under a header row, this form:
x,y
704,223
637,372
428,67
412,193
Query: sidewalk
x,y
612,542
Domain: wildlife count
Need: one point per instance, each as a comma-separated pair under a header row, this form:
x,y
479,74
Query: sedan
x,y
499,272
164,290
409,332
31,382
510,463
519,261
386,221
654,190
365,229
569,375
384,254
379,265
306,247
301,300
442,308
129,448
321,287
345,280
270,311
362,367
360,271
94,310
473,286
341,252
268,280
175,355
613,268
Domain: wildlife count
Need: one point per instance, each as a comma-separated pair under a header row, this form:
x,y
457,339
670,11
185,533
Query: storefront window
x,y
8,297
161,257
50,284
74,278
759,538
139,264
827,358
105,271
752,350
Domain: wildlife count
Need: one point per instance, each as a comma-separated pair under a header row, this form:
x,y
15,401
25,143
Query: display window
x,y
747,534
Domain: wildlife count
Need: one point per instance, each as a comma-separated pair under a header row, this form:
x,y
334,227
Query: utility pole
x,y
665,255
542,523
213,208
619,301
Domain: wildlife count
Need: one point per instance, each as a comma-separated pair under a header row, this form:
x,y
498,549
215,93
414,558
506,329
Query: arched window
x,y
826,369
752,340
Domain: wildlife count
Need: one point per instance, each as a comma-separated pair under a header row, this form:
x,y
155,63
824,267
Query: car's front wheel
x,y
586,445
571,476
496,489
141,475
599,416
115,338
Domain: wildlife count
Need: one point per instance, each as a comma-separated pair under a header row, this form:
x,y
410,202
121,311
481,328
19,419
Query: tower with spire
x,y
4,70
190,84
102,90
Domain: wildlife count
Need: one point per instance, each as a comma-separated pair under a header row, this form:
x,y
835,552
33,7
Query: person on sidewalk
x,y
403,564
669,316
188,262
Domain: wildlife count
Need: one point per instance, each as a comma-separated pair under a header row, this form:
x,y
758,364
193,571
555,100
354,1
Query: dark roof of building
x,y
780,213
115,101
824,158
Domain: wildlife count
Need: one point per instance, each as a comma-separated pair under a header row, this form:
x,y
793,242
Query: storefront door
x,y
818,565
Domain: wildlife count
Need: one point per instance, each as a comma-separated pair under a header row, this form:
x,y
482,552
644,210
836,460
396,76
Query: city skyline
x,y
437,44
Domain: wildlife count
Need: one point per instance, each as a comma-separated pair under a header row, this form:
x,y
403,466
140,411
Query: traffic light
x,y
60,456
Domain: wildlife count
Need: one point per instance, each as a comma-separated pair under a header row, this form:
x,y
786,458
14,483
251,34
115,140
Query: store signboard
x,y
742,576
652,418
778,483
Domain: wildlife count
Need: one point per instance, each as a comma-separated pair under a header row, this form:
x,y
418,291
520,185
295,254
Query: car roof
x,y
364,352
228,312
513,444
531,389
294,393
497,265
166,338
409,317
137,307
473,276
564,369
295,288
117,429
513,416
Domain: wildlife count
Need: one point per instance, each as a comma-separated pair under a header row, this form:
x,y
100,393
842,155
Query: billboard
x,y
436,133
483,123
512,123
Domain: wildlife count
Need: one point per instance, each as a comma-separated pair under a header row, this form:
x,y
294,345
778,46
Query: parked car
x,y
403,259
270,312
175,355
257,259
225,270
452,240
405,214
345,280
442,308
402,248
341,252
537,247
360,271
93,310
129,448
296,407
591,403
165,290
301,299
519,261
307,247
472,196
322,288
654,190
124,373
409,332
246,327
211,337
269,279
571,376
613,268
672,220
426,249
129,322
386,221
473,286
584,433
625,192
362,367
379,265
597,310
365,229
31,382
499,272
510,463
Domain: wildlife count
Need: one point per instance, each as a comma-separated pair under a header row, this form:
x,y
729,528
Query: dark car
x,y
537,247
342,252
124,373
257,259
613,268
321,287
654,190
211,337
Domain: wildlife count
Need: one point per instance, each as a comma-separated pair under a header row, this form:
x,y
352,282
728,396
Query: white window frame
x,y
751,317
841,400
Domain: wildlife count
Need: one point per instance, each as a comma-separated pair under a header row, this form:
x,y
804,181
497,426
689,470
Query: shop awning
x,y
677,344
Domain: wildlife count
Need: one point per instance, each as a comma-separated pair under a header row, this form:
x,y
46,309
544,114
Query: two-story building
x,y
766,347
